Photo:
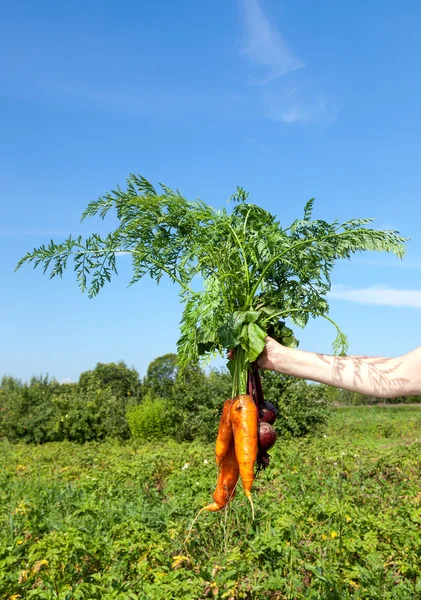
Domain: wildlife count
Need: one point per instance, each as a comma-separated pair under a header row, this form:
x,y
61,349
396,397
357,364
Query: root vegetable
x,y
227,482
267,436
225,487
225,435
267,412
244,426
263,459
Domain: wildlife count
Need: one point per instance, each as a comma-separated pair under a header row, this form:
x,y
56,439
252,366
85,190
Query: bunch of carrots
x,y
245,434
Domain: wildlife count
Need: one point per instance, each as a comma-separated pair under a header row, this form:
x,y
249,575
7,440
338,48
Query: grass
x,y
337,516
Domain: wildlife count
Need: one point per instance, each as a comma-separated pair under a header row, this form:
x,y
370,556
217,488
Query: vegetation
x,y
117,378
253,270
338,517
340,397
112,401
148,420
44,411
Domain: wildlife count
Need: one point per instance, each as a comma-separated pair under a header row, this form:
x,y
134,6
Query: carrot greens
x,y
254,273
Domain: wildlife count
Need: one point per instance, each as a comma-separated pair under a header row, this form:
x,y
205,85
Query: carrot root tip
x,y
248,494
213,507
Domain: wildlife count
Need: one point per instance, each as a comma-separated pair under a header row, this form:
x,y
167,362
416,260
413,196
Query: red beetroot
x,y
267,435
267,412
263,459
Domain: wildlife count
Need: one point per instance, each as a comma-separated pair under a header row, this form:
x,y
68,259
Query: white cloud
x,y
264,45
282,109
292,114
66,380
285,94
378,295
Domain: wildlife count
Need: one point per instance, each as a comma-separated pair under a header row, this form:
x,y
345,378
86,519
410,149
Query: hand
x,y
267,358
230,354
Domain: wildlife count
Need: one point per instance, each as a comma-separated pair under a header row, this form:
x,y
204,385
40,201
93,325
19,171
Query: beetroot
x,y
267,412
267,435
263,459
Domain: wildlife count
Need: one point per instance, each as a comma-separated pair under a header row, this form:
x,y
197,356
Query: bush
x,y
117,377
26,409
196,402
149,420
45,411
302,408
94,414
104,404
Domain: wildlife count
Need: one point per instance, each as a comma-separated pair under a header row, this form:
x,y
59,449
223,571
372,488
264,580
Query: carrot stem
x,y
241,370
250,383
258,385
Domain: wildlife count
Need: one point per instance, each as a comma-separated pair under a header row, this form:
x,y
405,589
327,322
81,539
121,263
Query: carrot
x,y
227,481
244,426
224,437
225,487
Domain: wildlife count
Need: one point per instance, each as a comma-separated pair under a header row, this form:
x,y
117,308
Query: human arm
x,y
370,375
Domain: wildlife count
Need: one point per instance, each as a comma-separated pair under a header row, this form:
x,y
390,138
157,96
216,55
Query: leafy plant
x,y
302,408
149,421
161,375
45,411
91,414
254,271
27,410
338,517
121,380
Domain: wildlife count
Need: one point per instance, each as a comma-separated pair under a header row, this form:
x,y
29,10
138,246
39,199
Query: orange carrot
x,y
227,481
225,487
224,437
244,426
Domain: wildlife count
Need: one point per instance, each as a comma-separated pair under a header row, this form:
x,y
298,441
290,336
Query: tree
x,y
117,377
161,375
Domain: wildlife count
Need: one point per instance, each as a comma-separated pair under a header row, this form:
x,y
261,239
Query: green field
x,y
336,517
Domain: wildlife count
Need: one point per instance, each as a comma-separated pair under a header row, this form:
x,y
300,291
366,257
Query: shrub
x,y
45,411
186,408
302,408
196,402
91,414
149,420
117,377
193,401
26,409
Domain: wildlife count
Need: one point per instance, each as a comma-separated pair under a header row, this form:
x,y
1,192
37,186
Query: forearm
x,y
373,376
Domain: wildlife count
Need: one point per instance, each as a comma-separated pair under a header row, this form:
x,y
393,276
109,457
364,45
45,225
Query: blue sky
x,y
288,99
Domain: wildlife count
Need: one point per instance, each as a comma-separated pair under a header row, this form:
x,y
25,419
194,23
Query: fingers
x,y
268,340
